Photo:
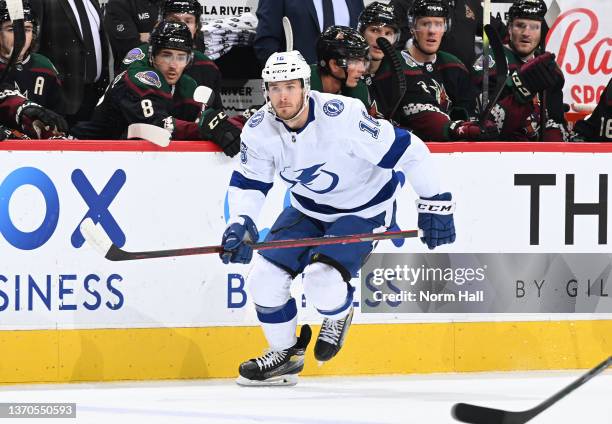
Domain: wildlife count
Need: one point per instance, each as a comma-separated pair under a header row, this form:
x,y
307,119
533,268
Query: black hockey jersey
x,y
598,126
449,81
142,95
521,122
418,110
37,79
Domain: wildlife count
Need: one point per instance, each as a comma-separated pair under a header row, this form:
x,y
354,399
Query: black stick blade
x,y
474,414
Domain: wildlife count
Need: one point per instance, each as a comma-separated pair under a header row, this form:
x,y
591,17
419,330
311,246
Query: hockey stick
x,y
402,85
15,9
288,33
97,237
153,133
203,94
474,414
486,20
549,20
161,136
501,66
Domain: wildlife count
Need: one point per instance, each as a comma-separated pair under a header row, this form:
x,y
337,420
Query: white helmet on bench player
x,y
286,66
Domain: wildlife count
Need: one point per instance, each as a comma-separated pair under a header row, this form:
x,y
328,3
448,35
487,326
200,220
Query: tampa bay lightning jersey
x,y
340,163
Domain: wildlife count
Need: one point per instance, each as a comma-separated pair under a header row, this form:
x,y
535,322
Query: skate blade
x,y
282,380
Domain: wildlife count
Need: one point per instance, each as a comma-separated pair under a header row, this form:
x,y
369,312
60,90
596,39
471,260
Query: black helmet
x,y
429,8
170,35
340,43
28,16
28,13
192,7
379,14
527,9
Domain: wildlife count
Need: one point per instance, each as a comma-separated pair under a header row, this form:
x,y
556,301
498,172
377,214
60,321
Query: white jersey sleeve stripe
x,y
240,181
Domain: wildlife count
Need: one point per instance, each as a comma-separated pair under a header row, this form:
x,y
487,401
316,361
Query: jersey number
x,y
147,108
606,128
370,125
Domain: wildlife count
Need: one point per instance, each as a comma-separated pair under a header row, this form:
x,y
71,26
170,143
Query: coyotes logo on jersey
x,y
437,90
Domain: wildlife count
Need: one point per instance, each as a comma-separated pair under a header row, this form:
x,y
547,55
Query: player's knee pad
x,y
324,287
268,284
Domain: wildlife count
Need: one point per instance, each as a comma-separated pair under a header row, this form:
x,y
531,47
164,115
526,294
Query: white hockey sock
x,y
281,335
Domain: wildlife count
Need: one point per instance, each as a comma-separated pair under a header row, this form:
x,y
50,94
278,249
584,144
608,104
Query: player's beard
x,y
525,51
288,115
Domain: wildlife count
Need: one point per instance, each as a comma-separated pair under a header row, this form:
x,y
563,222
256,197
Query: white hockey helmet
x,y
286,66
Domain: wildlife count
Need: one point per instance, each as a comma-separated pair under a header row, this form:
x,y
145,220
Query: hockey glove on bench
x,y
236,234
215,126
472,130
540,73
436,219
39,122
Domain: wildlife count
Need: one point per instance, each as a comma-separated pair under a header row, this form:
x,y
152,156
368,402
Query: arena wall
x,y
67,314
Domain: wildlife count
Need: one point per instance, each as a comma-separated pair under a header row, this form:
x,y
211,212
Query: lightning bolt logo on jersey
x,y
340,163
309,178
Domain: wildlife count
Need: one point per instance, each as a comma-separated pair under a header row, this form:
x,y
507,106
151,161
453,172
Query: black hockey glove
x,y
499,26
540,73
38,122
215,126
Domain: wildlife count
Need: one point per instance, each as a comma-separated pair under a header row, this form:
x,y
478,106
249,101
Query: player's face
x,y
372,33
356,68
171,63
186,18
428,32
525,35
7,38
286,97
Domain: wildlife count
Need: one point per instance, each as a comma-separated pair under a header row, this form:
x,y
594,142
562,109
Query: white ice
x,y
330,400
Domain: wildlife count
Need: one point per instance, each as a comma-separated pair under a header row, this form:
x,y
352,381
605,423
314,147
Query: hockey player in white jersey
x,y
338,163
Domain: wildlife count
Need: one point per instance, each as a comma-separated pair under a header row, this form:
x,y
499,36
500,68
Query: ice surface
x,y
331,400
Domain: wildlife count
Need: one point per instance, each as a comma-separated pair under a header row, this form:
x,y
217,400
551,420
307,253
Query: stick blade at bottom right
x,y
473,414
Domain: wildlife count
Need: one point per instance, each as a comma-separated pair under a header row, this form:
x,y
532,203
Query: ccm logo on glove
x,y
437,207
518,84
215,121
